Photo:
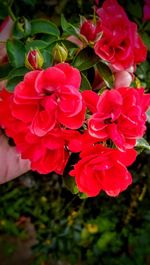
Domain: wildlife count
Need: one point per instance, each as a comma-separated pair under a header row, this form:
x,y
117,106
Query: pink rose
x,y
11,164
120,45
5,34
120,115
102,168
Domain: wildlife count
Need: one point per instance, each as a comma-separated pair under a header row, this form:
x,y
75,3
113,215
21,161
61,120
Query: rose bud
x,y
22,27
123,79
89,30
34,60
60,53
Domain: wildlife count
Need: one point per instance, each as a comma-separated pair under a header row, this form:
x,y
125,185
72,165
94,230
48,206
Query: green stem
x,y
94,16
11,13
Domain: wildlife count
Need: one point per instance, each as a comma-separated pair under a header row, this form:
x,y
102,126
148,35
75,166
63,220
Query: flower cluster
x,y
43,107
49,117
115,37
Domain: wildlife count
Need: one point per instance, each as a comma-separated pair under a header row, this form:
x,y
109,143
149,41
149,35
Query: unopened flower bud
x,y
22,28
60,53
123,79
34,60
89,30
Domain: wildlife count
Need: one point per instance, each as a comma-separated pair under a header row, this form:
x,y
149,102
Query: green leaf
x,y
68,180
85,84
16,52
146,39
40,44
13,82
49,38
105,239
68,27
48,59
85,59
4,71
30,2
70,183
82,195
135,9
68,44
21,71
147,26
142,144
106,74
44,26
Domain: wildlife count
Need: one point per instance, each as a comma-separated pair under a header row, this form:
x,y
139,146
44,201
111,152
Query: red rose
x,y
102,168
47,153
120,115
45,99
120,44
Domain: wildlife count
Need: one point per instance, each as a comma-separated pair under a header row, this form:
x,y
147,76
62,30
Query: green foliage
x,y
12,82
4,71
16,52
68,27
34,44
70,183
30,2
142,144
143,73
85,59
106,74
3,9
85,84
113,231
44,26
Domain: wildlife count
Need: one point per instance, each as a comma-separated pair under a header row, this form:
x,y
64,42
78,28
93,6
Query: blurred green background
x,y
42,223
